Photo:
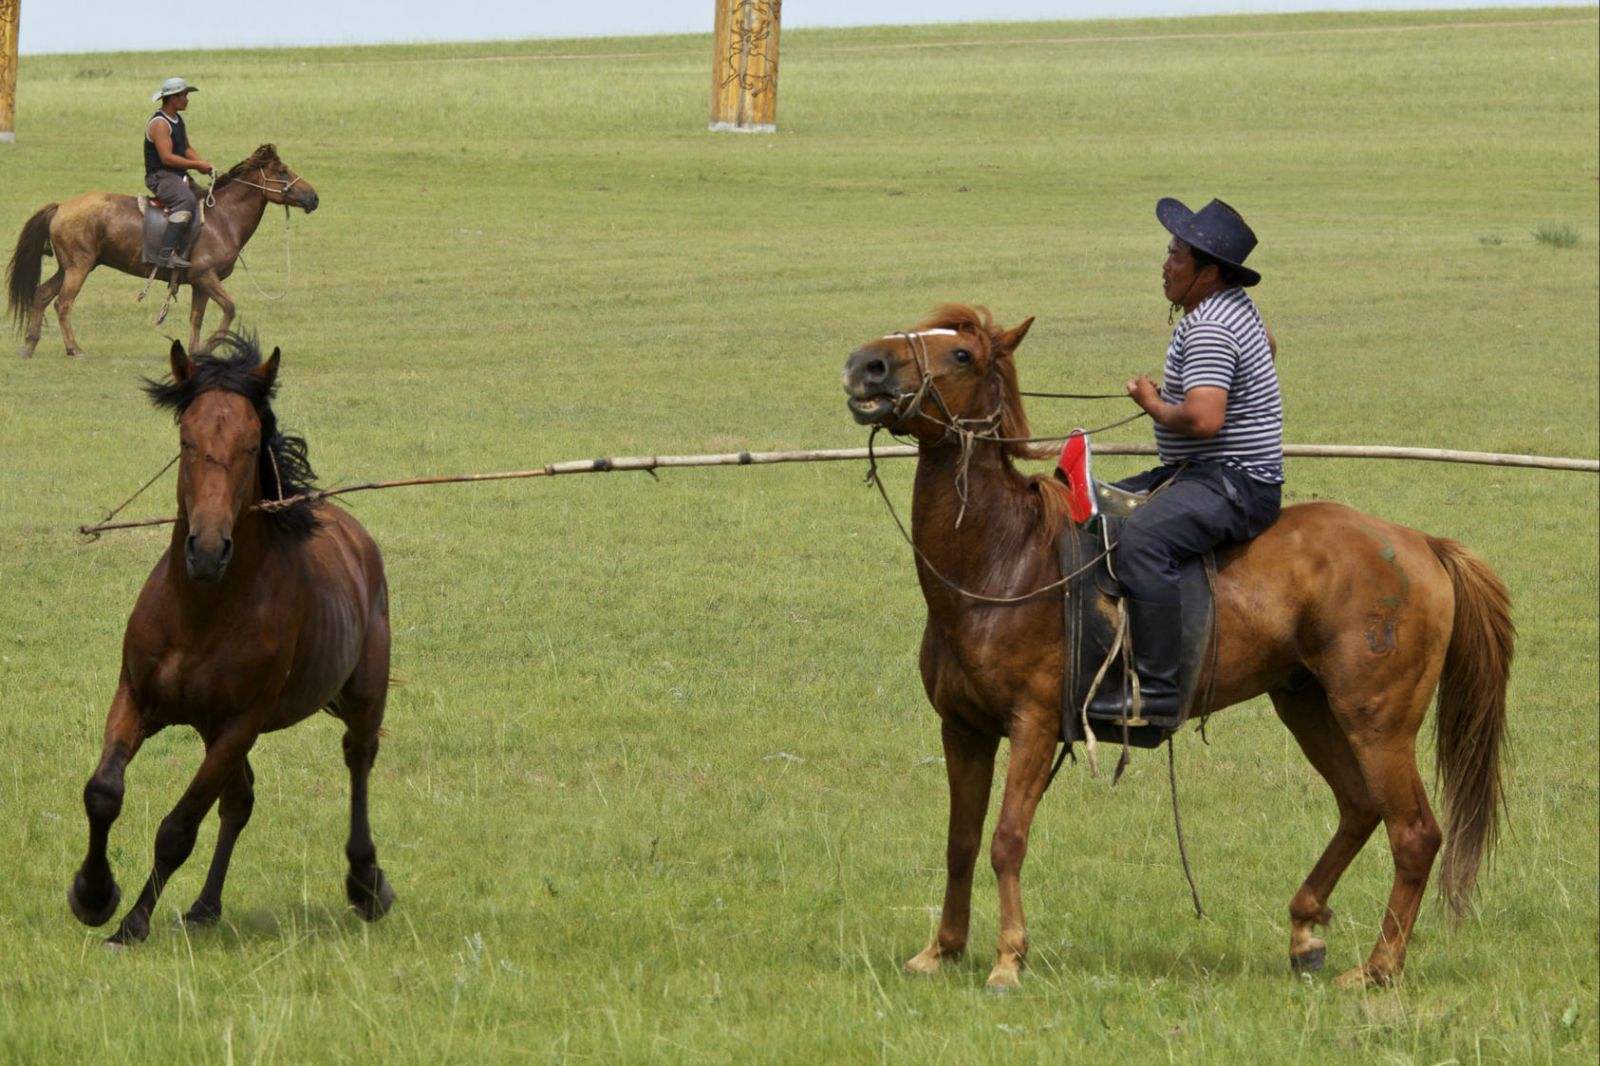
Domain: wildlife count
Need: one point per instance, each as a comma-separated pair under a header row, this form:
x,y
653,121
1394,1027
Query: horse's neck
x,y
989,552
243,207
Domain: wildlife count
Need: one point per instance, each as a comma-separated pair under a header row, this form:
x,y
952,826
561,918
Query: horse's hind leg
x,y
1385,746
175,838
93,894
1033,745
1308,717
35,324
361,706
234,807
969,765
75,276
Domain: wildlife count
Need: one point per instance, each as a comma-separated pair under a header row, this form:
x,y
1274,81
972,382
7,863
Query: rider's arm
x,y
161,137
1200,415
199,163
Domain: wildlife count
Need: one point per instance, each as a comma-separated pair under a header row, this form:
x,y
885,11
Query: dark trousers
x,y
174,190
1202,505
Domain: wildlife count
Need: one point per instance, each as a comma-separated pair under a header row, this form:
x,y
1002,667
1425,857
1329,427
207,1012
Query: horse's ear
x,y
181,367
268,371
1007,342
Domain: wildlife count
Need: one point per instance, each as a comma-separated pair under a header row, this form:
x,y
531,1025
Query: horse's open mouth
x,y
869,410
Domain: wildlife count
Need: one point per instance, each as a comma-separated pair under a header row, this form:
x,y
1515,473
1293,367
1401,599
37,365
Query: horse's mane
x,y
978,322
229,363
262,157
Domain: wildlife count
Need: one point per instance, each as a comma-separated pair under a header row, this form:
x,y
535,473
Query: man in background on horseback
x,y
168,158
1219,435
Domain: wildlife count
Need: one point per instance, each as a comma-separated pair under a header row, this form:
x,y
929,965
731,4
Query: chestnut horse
x,y
1346,621
104,227
252,620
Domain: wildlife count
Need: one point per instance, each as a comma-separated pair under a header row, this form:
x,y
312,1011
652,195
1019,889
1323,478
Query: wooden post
x,y
744,66
10,15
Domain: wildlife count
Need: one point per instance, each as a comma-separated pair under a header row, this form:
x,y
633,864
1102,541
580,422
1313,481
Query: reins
x,y
288,265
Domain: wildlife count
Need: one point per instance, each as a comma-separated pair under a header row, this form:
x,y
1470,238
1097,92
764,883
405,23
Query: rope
x,y
1177,825
1075,395
93,532
288,266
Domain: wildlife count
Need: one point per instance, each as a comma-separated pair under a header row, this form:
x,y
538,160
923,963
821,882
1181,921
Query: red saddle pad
x,y
1075,469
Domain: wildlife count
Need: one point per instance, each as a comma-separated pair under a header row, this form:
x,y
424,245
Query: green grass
x,y
661,781
1556,236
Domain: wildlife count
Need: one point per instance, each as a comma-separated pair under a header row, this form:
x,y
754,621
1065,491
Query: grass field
x,y
661,782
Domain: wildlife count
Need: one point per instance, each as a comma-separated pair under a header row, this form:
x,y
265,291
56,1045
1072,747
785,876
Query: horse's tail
x,y
1471,723
32,246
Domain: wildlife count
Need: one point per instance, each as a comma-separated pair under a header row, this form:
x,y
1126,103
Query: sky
x,y
135,25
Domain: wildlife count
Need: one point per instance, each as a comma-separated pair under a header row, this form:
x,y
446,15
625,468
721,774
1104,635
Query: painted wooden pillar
x,y
10,15
744,66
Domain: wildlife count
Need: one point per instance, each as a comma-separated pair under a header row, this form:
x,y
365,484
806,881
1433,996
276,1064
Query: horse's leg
x,y
1309,718
93,894
213,288
175,837
70,284
35,323
237,801
361,706
1385,745
969,766
1033,745
197,313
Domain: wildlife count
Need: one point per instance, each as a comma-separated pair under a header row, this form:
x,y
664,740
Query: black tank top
x,y
180,143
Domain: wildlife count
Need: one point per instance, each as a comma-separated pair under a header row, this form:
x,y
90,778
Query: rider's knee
x,y
180,217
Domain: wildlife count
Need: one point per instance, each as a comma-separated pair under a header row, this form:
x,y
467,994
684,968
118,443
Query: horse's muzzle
x,y
207,565
309,202
866,383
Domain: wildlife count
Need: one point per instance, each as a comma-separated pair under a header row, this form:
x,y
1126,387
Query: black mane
x,y
229,363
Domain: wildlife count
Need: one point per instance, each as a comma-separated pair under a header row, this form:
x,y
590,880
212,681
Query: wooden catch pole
x,y
10,20
649,463
744,66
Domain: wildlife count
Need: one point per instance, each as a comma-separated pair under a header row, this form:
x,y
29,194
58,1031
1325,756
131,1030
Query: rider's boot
x,y
171,254
1156,632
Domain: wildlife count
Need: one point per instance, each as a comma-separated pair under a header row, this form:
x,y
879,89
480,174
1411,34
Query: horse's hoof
x,y
76,353
86,910
128,934
1363,977
371,905
1003,980
203,915
1310,962
26,352
925,962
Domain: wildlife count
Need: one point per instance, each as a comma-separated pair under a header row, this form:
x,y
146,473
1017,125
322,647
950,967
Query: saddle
x,y
1092,613
155,213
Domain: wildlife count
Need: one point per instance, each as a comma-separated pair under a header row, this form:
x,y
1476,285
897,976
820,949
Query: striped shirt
x,y
1223,344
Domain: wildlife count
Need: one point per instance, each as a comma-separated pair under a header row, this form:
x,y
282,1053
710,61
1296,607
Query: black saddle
x,y
155,227
1091,626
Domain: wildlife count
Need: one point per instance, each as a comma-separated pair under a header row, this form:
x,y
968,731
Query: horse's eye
x,y
963,356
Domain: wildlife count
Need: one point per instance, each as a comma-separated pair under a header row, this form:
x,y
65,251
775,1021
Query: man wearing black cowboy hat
x,y
1219,435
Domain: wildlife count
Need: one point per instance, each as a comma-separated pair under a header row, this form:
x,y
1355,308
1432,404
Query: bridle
x,y
912,404
287,183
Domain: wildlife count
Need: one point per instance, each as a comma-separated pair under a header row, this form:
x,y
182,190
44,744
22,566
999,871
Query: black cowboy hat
x,y
1216,229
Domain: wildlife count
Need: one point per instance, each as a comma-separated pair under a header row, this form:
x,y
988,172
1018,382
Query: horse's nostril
x,y
227,549
188,544
877,370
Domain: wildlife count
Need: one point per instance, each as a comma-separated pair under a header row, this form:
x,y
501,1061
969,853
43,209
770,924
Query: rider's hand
x,y
205,167
1144,391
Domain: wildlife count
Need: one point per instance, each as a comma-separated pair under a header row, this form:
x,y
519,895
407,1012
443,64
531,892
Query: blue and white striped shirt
x,y
1223,344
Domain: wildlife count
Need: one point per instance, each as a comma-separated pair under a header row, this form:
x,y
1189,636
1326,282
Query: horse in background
x,y
253,619
1348,622
104,227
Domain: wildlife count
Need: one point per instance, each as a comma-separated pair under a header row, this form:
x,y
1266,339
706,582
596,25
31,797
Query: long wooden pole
x,y
648,463
10,21
744,66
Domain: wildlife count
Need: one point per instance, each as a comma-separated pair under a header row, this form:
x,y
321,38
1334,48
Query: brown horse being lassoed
x,y
1347,621
104,227
251,621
